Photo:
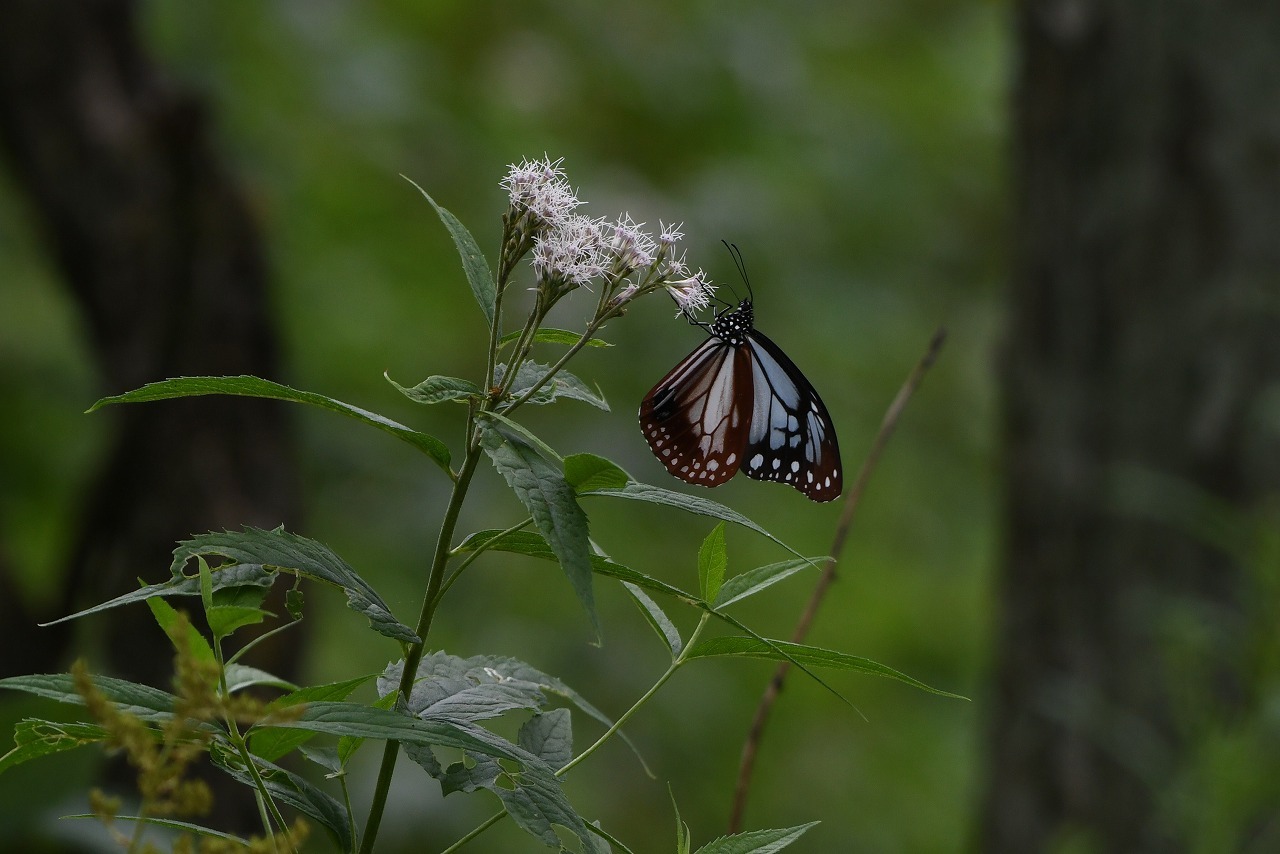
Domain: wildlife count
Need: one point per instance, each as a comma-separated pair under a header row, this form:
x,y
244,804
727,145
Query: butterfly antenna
x,y
742,267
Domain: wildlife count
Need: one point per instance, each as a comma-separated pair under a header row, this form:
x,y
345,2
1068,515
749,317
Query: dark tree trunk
x,y
1143,339
163,257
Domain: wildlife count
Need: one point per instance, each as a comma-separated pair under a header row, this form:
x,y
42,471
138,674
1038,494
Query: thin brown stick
x,y
754,735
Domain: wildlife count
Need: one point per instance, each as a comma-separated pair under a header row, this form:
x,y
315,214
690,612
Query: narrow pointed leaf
x,y
473,261
181,632
740,647
752,581
238,575
548,335
438,389
550,500
172,824
298,555
271,743
713,559
288,788
132,698
248,386
34,738
756,841
586,472
240,676
691,503
657,619
563,384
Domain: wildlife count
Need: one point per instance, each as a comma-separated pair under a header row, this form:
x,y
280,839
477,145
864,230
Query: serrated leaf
x,y
439,389
549,736
713,559
294,554
248,386
563,384
240,676
691,503
537,802
746,647
181,632
325,757
272,743
361,721
585,472
482,773
548,335
657,619
348,745
473,261
454,688
140,701
756,841
34,738
550,500
751,582
229,576
287,788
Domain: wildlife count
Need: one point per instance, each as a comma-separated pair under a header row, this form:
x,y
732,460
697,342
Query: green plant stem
x,y
476,831
429,602
613,730
469,559
587,335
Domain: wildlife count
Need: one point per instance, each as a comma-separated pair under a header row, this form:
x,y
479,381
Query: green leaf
x,y
247,386
240,676
225,619
439,389
585,472
657,619
181,632
361,721
746,647
541,487
227,576
532,544
271,743
172,824
548,335
563,384
294,554
752,581
34,738
713,559
756,841
348,745
140,701
537,803
473,261
451,688
287,788
549,736
693,504
684,839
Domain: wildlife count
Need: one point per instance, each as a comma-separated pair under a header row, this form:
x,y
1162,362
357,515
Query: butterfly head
x,y
732,327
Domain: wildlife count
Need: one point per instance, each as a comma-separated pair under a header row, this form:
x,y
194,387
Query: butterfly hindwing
x,y
696,418
792,439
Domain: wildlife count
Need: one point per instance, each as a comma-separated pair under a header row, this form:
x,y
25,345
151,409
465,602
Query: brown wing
x,y
696,419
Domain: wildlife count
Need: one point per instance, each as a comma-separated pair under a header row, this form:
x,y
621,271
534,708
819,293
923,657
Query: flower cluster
x,y
571,251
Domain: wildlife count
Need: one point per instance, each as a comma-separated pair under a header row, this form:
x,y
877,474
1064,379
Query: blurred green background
x,y
854,150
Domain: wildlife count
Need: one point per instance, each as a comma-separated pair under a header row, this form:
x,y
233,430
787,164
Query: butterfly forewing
x,y
791,438
696,418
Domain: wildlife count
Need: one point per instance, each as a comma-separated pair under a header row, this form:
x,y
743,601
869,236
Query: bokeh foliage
x,y
854,151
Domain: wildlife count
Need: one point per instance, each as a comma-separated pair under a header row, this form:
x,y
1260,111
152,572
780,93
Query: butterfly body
x,y
738,403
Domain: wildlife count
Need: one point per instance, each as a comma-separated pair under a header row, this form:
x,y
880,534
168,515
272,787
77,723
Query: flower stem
x,y
429,602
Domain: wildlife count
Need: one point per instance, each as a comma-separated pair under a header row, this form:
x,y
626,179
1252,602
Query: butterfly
x,y
738,403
